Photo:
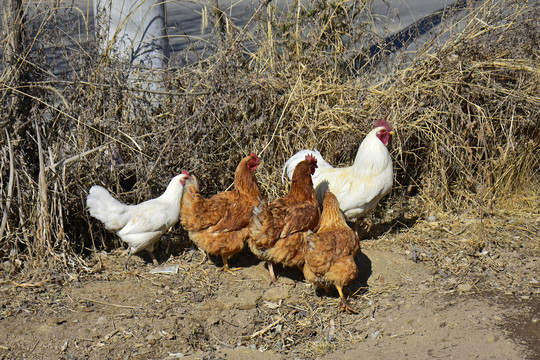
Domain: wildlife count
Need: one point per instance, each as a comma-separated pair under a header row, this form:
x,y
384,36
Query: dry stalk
x,y
9,188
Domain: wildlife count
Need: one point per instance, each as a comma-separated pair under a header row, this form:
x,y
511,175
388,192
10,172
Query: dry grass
x,y
466,112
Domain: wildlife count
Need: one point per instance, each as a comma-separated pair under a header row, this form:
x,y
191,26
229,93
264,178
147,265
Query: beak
x,y
392,133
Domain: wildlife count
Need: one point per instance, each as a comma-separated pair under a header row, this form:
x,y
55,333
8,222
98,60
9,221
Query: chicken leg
x,y
273,279
343,303
153,257
151,253
225,267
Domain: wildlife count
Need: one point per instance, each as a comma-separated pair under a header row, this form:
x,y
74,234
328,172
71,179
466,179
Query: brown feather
x,y
277,232
218,225
330,252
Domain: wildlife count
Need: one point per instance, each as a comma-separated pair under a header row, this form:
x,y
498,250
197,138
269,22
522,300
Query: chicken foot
x,y
130,254
365,226
153,257
273,279
225,267
204,258
343,303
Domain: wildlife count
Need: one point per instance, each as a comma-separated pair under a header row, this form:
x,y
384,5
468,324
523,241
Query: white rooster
x,y
359,187
141,225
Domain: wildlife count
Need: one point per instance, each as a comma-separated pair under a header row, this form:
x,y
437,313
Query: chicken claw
x,y
343,303
366,224
204,258
225,267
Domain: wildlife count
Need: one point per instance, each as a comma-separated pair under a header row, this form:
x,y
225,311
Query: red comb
x,y
311,158
252,154
383,123
185,172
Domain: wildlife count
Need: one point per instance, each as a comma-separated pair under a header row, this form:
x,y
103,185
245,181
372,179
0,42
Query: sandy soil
x,y
409,307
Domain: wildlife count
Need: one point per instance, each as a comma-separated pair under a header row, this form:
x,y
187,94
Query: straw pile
x,y
466,112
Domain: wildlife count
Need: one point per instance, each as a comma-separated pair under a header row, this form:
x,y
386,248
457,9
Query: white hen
x,y
141,225
359,187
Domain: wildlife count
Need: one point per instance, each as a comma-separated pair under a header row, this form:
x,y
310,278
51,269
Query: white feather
x,y
141,225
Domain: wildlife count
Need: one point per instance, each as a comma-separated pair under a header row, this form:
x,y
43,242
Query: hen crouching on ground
x,y
141,225
218,225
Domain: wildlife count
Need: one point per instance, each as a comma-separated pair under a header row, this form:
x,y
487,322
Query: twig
x,y
265,329
25,285
115,305
9,189
77,157
44,215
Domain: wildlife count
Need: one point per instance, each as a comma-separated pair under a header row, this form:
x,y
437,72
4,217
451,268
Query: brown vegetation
x,y
465,110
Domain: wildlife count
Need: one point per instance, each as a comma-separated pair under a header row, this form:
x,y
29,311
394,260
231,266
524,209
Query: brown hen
x,y
277,229
219,225
329,253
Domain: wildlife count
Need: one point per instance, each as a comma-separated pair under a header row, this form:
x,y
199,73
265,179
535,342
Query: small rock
x,y
464,287
497,318
431,218
246,299
153,337
102,320
491,338
276,293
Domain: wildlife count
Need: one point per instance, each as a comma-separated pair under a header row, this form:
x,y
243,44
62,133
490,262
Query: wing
x,y
150,217
300,217
319,253
235,214
198,213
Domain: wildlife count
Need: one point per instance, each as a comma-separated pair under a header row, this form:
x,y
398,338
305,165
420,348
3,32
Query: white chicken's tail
x,y
105,208
290,165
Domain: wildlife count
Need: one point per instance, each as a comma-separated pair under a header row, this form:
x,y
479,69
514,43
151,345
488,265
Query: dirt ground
x,y
421,294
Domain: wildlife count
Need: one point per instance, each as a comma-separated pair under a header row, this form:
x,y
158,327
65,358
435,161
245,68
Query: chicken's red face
x,y
185,176
312,163
384,132
253,162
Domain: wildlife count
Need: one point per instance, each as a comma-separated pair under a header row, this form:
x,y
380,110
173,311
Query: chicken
x,y
329,253
277,228
219,225
141,225
359,187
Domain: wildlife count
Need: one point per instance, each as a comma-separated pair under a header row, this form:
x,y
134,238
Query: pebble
x,y
276,293
245,300
153,337
491,338
102,320
464,287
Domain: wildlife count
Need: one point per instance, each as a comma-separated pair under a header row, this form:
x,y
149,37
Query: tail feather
x,y
258,217
290,165
105,208
191,206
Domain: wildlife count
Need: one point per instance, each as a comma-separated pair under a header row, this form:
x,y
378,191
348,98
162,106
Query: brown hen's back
x,y
277,228
218,225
